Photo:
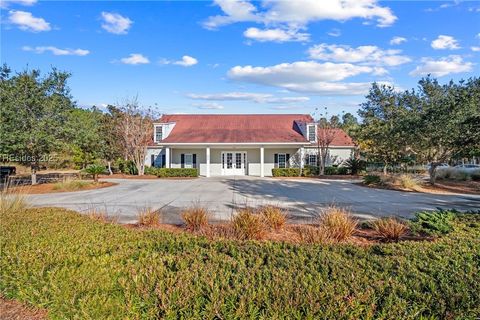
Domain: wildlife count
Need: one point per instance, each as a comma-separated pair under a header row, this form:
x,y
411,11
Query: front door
x,y
234,163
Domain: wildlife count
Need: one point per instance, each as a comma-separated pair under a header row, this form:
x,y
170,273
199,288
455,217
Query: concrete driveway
x,y
304,198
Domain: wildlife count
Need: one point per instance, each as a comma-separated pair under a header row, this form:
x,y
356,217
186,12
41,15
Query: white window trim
x,y
155,132
285,155
308,132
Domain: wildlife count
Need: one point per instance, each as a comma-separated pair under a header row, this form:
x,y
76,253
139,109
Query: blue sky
x,y
231,56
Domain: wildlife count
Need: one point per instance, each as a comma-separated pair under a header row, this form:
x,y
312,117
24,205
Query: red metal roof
x,y
239,128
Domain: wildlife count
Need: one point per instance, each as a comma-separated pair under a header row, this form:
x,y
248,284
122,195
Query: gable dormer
x,y
162,130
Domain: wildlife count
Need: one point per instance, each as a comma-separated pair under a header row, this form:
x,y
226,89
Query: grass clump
x,y
195,217
371,179
11,202
273,217
247,224
311,234
79,269
148,217
99,215
390,229
71,185
337,223
407,181
437,222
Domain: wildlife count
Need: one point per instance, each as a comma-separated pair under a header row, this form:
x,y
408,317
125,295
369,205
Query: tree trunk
x,y
109,163
432,173
34,176
95,177
385,169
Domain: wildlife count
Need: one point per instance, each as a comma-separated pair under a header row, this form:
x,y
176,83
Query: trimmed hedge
x,y
314,171
172,172
285,172
81,269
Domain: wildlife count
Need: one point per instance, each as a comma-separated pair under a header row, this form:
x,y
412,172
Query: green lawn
x,y
77,268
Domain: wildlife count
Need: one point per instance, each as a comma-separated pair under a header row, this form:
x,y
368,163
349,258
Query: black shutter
x,y
287,158
275,160
163,161
307,159
182,160
152,160
194,156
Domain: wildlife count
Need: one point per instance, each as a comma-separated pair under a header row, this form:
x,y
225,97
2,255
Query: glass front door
x,y
234,163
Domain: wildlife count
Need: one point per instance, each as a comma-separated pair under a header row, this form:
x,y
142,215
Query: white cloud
x,y
442,66
475,49
275,35
6,3
363,54
307,76
478,35
445,42
57,51
297,72
209,106
135,58
27,22
115,23
300,12
247,96
186,61
397,40
335,32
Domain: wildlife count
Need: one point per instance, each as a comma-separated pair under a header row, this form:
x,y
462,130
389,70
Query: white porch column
x,y
167,157
262,169
208,161
302,157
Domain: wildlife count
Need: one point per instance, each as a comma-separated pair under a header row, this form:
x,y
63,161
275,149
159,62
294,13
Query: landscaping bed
x,y
419,183
79,268
68,186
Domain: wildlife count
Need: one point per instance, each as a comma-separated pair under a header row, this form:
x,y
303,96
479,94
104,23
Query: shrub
x,y
246,224
371,179
149,217
126,166
71,185
355,165
285,172
330,171
309,171
390,229
433,222
273,217
407,181
311,234
195,217
460,175
150,170
176,172
95,170
475,175
337,223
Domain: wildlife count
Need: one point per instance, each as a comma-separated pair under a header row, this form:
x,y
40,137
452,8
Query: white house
x,y
250,144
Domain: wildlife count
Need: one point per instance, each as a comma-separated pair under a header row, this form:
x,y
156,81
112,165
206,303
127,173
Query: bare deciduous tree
x,y
326,131
135,129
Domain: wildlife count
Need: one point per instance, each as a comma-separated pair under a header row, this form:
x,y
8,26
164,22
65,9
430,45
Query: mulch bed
x,y
14,310
440,187
288,234
49,188
329,177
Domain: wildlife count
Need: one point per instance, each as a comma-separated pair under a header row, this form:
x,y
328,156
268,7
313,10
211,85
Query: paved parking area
x,y
303,197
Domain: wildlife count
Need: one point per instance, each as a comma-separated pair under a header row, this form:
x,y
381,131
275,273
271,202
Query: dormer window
x,y
158,133
312,136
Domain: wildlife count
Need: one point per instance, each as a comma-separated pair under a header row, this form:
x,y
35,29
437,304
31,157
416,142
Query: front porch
x,y
228,160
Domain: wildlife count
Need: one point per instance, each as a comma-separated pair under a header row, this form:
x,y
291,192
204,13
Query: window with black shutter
x,y
182,160
275,160
194,160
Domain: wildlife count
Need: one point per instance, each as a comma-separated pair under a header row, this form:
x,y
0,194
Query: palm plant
x,y
95,170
